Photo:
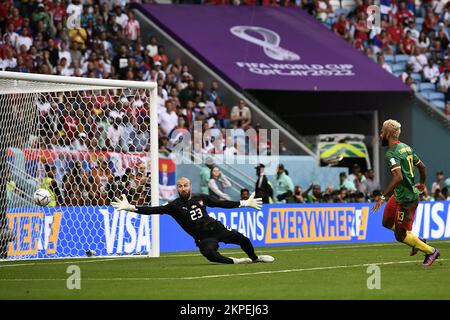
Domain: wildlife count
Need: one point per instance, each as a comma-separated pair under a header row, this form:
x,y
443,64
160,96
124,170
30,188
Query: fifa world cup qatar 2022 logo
x,y
270,42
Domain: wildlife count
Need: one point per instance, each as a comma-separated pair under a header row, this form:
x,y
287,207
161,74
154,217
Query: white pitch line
x,y
227,275
61,262
294,270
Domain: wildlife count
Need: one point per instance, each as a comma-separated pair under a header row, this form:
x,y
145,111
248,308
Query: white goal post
x,y
87,140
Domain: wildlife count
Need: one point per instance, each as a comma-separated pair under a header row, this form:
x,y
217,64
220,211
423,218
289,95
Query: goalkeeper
x,y
189,210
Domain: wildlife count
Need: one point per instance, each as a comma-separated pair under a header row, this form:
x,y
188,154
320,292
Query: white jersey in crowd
x,y
168,121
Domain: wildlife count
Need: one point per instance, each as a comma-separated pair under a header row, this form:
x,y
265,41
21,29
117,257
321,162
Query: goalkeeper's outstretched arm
x,y
252,202
123,204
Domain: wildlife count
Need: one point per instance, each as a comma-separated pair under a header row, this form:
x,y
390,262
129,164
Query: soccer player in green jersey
x,y
401,207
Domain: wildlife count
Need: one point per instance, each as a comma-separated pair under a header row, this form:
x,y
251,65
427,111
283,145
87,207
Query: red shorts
x,y
402,214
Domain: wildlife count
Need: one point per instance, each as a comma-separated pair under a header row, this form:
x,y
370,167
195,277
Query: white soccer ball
x,y
42,197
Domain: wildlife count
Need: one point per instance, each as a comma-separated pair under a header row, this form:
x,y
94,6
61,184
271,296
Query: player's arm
x,y
397,177
422,173
252,202
123,204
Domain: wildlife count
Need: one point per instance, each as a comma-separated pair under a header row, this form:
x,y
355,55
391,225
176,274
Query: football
x,y
42,197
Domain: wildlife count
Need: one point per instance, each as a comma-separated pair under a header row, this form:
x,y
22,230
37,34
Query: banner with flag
x,y
167,179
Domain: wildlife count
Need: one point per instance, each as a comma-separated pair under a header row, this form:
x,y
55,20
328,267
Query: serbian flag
x,y
167,177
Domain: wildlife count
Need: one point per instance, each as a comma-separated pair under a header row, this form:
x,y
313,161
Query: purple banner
x,y
270,48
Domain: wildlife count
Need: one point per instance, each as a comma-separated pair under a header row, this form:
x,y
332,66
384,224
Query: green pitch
x,y
300,272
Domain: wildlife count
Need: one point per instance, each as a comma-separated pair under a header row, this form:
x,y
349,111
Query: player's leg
x,y
234,237
403,226
414,250
390,211
208,248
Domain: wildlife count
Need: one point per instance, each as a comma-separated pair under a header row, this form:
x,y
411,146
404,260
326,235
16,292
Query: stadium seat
x,y
402,58
340,11
419,20
398,67
389,58
417,77
438,104
437,96
426,86
336,4
348,4
425,94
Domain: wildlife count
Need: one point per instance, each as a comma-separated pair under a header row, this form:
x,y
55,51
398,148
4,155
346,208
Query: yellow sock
x,y
413,241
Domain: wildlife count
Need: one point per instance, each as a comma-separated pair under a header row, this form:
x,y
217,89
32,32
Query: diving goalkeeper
x,y
189,210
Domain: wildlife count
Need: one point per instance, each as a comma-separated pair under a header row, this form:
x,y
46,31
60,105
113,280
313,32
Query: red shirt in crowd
x,y
4,49
4,8
429,23
444,66
395,33
70,126
408,45
340,27
101,100
403,15
361,35
222,112
59,13
25,56
17,22
362,8
161,58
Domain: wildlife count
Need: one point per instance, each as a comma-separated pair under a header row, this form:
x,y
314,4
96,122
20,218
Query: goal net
x,y
86,141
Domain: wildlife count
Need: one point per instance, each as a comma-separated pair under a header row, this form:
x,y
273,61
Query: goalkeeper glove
x,y
252,202
123,204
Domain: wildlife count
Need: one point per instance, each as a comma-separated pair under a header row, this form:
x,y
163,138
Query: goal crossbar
x,y
77,80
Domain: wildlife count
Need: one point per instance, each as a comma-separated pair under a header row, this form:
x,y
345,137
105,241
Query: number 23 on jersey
x,y
196,214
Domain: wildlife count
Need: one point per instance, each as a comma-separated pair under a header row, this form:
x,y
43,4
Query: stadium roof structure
x,y
271,48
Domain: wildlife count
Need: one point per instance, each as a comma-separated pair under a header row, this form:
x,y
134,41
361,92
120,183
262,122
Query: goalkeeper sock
x,y
413,241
